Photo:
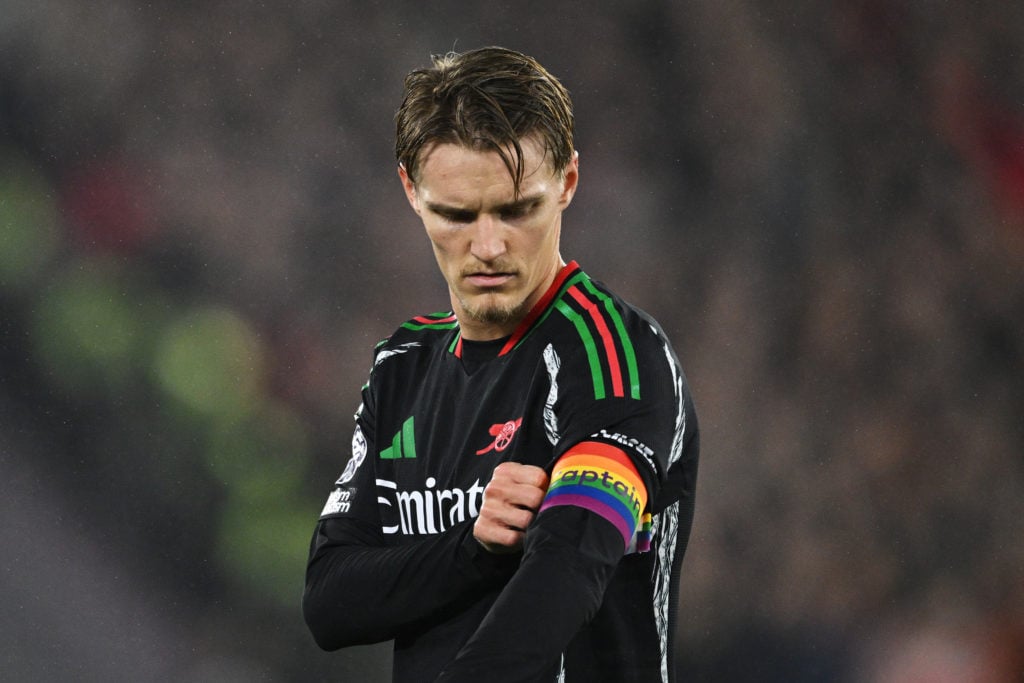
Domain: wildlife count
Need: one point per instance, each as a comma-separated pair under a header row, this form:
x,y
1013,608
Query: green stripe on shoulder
x,y
588,343
620,329
442,320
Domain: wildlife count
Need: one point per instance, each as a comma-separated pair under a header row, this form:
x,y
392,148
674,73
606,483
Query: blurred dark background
x,y
202,236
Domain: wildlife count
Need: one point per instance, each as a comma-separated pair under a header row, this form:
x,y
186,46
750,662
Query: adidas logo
x,y
403,445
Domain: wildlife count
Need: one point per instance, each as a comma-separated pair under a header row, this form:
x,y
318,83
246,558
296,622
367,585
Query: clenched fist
x,y
511,500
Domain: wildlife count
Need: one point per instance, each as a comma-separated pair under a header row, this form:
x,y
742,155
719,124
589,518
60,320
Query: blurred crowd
x,y
202,237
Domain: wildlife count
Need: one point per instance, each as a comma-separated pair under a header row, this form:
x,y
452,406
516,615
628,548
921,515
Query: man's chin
x,y
494,312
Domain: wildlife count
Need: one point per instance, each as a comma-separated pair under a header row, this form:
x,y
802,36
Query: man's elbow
x,y
323,624
325,642
334,627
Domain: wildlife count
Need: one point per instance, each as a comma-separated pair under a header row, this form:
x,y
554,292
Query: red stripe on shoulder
x,y
606,339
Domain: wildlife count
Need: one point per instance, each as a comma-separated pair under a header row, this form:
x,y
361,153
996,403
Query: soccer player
x,y
521,484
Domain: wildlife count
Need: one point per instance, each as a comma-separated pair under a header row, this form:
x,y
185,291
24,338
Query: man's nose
x,y
488,238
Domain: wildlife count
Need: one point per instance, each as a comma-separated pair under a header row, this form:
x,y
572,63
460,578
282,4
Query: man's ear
x,y
410,188
570,180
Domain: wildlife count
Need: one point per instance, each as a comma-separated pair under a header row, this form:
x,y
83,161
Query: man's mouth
x,y
488,280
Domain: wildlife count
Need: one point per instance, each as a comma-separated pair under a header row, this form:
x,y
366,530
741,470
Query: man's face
x,y
498,253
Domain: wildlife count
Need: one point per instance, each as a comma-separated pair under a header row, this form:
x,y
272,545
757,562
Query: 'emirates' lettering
x,y
428,511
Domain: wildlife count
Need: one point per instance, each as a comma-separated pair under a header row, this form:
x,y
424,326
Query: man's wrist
x,y
490,564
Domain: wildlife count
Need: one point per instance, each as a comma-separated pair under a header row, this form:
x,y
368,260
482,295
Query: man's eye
x,y
458,216
515,212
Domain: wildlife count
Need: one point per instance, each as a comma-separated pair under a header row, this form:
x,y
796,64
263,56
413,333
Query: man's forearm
x,y
570,557
358,593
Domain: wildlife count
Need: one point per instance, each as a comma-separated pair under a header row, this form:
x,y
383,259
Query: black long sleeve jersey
x,y
588,388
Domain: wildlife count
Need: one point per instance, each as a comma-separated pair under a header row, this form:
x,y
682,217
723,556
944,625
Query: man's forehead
x,y
453,173
535,160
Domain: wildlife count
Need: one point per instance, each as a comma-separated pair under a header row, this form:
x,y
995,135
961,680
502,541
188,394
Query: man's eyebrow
x,y
438,207
521,203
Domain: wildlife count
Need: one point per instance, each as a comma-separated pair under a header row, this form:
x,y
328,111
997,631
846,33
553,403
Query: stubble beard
x,y
492,313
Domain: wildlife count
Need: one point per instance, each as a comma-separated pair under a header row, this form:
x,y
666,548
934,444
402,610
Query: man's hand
x,y
511,500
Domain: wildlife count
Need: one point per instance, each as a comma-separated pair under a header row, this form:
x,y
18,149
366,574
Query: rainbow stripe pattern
x,y
643,537
601,478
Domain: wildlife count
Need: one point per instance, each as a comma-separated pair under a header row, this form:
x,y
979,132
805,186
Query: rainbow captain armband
x,y
601,478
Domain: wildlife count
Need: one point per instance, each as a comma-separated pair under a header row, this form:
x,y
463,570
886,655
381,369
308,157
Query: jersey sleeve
x,y
568,562
586,524
625,389
618,446
361,590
